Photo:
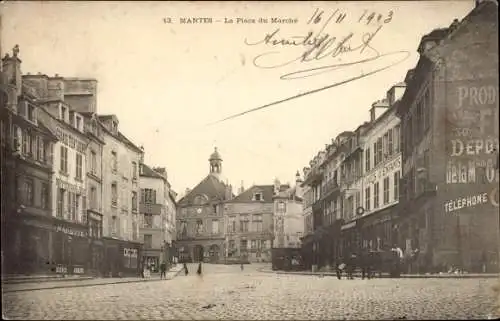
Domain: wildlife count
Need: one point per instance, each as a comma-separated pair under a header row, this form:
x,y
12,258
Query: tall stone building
x,y
449,116
156,210
249,224
28,227
200,220
121,191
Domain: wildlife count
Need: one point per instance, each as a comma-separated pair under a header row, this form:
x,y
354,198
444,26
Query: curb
x,y
403,276
43,280
93,284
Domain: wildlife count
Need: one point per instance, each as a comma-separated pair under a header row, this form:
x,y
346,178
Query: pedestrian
x,y
241,266
199,269
163,270
186,272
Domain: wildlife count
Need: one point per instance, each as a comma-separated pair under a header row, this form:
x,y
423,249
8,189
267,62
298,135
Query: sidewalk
x,y
386,275
10,279
71,283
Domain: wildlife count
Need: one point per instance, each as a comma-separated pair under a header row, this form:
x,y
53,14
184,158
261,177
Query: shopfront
x,y
96,245
377,229
121,258
350,238
70,247
26,245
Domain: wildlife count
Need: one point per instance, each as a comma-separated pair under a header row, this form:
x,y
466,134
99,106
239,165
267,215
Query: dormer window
x,y
258,197
63,113
27,110
78,122
114,126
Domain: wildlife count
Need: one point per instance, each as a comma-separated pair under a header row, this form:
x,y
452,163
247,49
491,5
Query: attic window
x,y
257,197
114,126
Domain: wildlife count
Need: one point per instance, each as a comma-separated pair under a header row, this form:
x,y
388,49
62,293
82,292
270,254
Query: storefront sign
x,y
69,231
70,187
70,140
383,171
348,225
129,252
61,269
467,171
465,202
78,270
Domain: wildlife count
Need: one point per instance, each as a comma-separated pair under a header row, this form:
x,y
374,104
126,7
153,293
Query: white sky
x,y
166,82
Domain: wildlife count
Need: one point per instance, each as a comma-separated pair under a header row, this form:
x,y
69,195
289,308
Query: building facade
x,y
249,224
288,219
449,114
156,210
200,218
120,199
28,227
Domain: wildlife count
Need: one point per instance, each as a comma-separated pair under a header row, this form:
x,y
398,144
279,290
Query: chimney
x,y
242,188
188,190
141,160
11,67
229,192
378,108
277,186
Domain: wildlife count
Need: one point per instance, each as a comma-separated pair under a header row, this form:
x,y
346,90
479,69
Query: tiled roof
x,y
149,172
247,196
210,186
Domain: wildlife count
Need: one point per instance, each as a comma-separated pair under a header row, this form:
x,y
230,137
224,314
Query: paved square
x,y
225,292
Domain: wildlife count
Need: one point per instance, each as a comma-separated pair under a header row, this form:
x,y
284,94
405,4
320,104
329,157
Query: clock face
x,y
198,211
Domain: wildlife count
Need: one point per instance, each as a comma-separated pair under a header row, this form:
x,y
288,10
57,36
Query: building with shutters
x,y
157,216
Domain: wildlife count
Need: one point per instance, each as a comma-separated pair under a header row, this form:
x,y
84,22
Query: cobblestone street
x,y
225,292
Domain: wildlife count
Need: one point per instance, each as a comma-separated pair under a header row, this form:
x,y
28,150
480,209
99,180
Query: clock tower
x,y
215,161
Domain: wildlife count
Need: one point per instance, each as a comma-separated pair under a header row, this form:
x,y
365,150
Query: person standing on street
x,y
241,266
199,269
163,270
186,272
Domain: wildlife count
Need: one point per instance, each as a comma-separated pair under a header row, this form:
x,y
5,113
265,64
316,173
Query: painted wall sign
x,y
466,202
384,170
462,171
69,231
94,216
127,252
70,140
70,187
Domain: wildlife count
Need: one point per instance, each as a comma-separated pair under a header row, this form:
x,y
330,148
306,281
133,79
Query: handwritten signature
x,y
352,49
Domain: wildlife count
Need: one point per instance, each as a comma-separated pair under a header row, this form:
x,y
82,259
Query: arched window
x,y
200,200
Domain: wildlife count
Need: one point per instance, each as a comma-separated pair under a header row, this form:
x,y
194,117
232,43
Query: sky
x,y
170,83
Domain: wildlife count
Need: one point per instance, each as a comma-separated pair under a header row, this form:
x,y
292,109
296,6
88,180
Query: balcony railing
x,y
329,188
315,175
149,208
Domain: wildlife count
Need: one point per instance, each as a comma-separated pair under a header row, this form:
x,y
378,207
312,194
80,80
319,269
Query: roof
x,y
247,196
210,186
149,172
46,130
215,155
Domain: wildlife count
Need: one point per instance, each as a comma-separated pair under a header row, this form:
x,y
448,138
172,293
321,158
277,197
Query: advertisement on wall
x,y
471,145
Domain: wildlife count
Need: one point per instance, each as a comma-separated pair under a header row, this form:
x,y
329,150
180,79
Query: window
x,y
183,229
396,186
148,196
148,241
385,146
69,205
60,202
390,146
232,224
93,162
114,194
44,196
375,155
215,226
281,206
367,159
244,223
31,112
26,142
64,160
41,150
28,190
379,151
214,207
358,200
114,226
257,223
253,244
134,201
78,122
134,230
18,138
114,160
77,202
427,110
79,166
397,139
148,221
93,198
199,227
386,190
33,150
243,246
376,197
134,170
257,197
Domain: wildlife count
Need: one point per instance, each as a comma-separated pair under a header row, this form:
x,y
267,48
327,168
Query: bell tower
x,y
215,161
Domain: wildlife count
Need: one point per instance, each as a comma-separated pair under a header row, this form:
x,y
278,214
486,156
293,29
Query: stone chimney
x,y
229,192
141,160
12,70
241,189
188,190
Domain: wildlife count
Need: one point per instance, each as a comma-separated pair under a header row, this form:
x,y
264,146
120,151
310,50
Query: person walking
x,y
241,266
163,270
199,269
186,272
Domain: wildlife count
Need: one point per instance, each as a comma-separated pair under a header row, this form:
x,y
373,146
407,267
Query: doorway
x,y
198,253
